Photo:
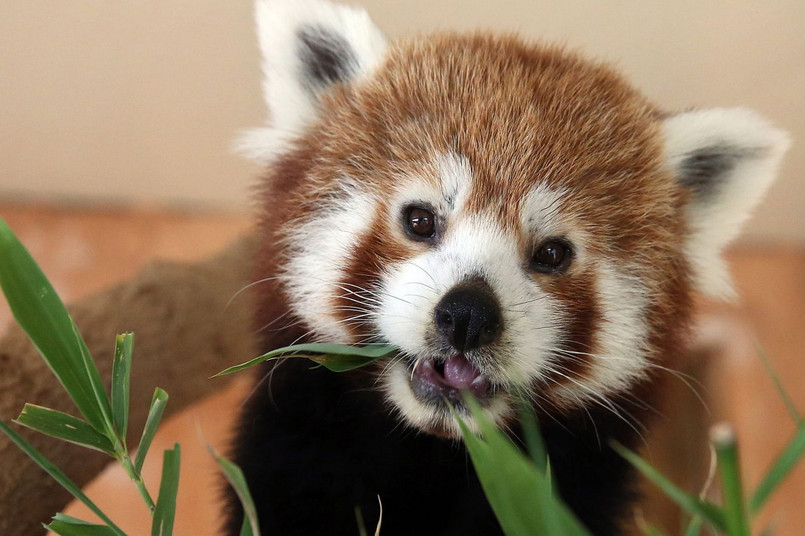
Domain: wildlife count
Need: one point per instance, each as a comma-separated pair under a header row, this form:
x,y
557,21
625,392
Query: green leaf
x,y
63,426
691,504
158,403
235,477
533,439
778,385
358,519
694,528
336,357
65,525
42,315
57,475
246,528
734,509
121,374
519,494
785,462
165,511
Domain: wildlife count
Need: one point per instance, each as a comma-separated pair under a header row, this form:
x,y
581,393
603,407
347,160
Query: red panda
x,y
515,219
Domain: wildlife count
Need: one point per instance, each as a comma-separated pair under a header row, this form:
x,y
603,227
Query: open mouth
x,y
435,380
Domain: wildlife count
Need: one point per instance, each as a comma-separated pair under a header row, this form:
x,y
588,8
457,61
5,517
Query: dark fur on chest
x,y
314,445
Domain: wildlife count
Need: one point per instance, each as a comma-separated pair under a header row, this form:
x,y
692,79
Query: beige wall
x,y
138,100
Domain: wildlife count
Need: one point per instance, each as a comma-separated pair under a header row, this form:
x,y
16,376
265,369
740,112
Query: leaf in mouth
x,y
335,357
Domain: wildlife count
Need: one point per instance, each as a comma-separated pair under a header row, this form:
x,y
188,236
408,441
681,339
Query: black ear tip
x,y
326,57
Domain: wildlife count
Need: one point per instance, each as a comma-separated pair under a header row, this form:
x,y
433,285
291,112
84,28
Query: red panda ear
x,y
727,159
307,46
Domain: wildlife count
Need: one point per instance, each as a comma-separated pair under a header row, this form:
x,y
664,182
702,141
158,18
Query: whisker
x,y
247,287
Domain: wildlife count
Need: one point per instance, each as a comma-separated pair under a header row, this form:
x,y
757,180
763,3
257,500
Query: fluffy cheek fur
x,y
318,259
618,352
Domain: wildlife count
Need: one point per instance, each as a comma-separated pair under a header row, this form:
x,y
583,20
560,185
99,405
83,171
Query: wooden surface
x,y
85,251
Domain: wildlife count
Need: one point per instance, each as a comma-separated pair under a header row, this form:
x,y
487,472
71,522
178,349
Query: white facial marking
x,y
319,253
542,212
446,194
456,177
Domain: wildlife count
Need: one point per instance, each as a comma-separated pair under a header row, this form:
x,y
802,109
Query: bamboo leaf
x,y
235,477
158,403
694,528
778,385
336,357
691,504
121,376
42,315
342,363
63,426
533,439
165,511
57,475
358,519
785,462
65,525
246,528
519,494
723,439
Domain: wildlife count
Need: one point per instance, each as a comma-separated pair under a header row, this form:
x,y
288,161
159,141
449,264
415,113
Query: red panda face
x,y
500,214
515,220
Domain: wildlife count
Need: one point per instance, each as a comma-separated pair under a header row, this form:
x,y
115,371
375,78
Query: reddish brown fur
x,y
520,115
577,294
376,250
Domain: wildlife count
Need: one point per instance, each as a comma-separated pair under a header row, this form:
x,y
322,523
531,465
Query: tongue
x,y
458,372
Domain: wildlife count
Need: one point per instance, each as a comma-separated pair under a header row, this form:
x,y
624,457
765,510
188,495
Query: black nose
x,y
468,316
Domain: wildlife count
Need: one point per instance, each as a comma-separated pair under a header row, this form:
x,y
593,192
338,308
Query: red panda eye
x,y
419,223
551,256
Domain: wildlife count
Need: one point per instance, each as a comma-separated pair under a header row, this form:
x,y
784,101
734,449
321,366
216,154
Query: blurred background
x,y
117,121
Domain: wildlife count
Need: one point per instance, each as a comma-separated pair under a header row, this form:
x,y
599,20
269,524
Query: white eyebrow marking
x,y
455,173
541,211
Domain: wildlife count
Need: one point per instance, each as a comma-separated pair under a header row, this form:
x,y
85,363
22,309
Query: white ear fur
x,y
307,46
728,158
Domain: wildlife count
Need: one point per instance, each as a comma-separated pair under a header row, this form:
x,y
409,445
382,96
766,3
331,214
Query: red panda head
x,y
515,219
